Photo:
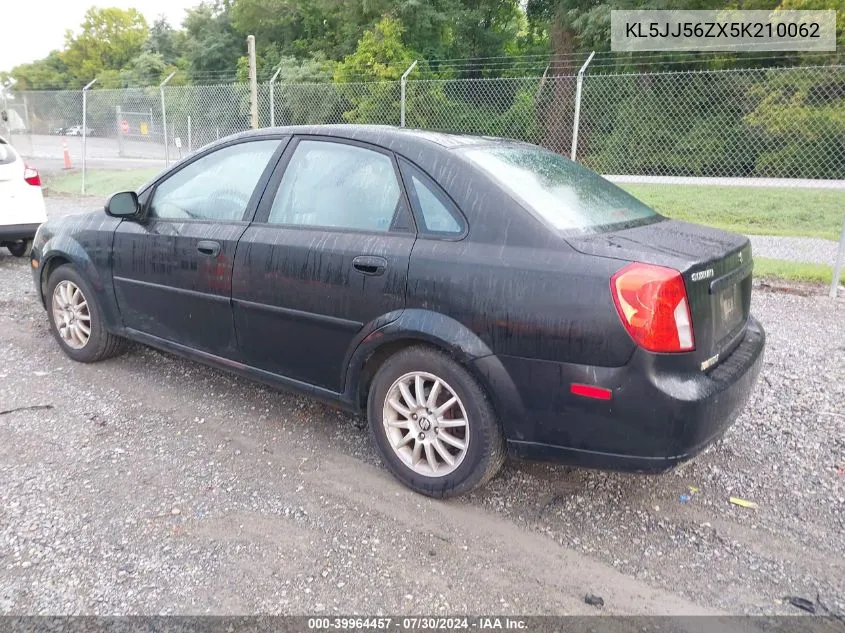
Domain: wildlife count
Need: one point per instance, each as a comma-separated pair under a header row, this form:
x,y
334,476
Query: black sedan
x,y
476,297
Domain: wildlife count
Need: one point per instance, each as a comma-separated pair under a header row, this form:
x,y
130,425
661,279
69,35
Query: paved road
x,y
795,249
155,485
44,146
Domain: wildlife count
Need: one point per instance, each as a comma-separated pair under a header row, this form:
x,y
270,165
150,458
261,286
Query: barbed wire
x,y
496,66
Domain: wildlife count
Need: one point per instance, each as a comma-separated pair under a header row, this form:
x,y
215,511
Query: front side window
x,y
217,186
567,195
335,185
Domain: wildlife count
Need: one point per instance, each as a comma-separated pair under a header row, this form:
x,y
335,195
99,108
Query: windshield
x,y
564,193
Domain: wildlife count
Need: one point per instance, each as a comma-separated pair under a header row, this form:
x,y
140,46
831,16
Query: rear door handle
x,y
208,248
369,264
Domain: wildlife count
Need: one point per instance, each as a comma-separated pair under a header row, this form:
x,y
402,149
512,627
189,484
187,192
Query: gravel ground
x,y
156,485
795,249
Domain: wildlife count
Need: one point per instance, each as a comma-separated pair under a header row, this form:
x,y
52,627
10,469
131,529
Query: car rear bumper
x,y
657,416
14,232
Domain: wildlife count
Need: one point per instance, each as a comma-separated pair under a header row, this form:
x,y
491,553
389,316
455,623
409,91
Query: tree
x,y
212,46
50,73
108,40
164,41
380,55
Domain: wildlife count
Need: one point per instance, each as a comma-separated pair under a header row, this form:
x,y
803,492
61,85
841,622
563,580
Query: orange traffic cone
x,y
68,164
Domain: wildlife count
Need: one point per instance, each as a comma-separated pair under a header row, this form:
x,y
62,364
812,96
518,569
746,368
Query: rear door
x,y
173,271
326,255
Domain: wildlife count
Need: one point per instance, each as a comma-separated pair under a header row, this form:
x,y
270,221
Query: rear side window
x,y
7,154
217,186
335,185
435,211
565,194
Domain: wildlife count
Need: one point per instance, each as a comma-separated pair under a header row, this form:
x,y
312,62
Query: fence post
x,y
119,127
8,121
402,84
85,129
253,82
273,96
837,270
577,121
26,115
164,118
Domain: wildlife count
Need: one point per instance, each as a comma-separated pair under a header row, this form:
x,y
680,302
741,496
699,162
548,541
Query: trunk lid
x,y
716,268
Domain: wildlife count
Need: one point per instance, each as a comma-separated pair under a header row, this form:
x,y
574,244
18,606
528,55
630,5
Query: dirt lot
x,y
155,485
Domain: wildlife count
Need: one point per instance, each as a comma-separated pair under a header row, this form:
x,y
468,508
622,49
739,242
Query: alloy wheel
x,y
426,424
71,314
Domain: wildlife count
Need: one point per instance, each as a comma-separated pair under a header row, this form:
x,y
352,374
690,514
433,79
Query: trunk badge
x,y
740,257
702,274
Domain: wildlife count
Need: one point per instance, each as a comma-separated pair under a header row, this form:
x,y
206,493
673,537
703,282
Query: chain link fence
x,y
779,123
763,123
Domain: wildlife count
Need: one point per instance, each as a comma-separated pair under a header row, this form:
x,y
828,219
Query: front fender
x,y
90,252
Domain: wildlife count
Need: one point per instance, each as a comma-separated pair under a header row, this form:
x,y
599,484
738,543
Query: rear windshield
x,y
7,154
567,195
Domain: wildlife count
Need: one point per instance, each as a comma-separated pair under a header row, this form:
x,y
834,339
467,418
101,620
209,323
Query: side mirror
x,y
123,205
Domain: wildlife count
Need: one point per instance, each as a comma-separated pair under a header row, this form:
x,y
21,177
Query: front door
x,y
173,271
327,255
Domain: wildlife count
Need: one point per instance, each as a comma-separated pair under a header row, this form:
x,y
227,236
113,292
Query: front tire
x,y
433,425
76,318
22,248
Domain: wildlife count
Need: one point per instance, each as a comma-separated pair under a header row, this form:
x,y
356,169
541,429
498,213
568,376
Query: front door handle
x,y
369,264
208,248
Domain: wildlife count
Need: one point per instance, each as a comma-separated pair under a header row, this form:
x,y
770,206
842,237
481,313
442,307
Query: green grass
x,y
100,182
792,271
750,210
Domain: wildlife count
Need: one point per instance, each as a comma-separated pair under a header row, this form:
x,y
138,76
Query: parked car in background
x,y
76,130
21,202
471,295
60,131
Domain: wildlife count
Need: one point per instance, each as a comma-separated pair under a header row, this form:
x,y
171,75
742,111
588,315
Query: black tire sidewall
x,y
25,248
484,429
98,338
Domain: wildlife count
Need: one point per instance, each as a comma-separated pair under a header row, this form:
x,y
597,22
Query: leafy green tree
x,y
211,44
50,73
164,40
108,39
380,55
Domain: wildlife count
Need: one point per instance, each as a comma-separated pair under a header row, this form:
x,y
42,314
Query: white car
x,y
76,130
21,202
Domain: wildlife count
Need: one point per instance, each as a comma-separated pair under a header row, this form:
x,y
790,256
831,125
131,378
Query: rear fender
x,y
446,334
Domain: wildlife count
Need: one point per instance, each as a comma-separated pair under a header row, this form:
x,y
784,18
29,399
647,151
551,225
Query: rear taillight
x,y
31,176
652,303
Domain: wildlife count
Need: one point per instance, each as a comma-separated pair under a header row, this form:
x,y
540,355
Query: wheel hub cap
x,y
71,315
426,424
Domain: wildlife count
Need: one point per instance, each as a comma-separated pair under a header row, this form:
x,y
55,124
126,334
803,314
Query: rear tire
x,y
22,248
76,318
435,448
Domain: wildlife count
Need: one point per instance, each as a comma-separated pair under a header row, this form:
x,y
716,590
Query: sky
x,y
30,29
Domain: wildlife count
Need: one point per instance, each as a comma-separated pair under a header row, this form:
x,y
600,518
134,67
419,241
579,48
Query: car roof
x,y
391,136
